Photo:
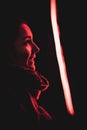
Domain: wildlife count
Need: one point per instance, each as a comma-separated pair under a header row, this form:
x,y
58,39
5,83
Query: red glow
x,y
60,59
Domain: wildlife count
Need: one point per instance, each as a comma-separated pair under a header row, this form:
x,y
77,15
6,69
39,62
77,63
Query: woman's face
x,y
25,47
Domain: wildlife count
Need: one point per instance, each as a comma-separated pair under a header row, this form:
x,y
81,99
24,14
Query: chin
x,y
32,68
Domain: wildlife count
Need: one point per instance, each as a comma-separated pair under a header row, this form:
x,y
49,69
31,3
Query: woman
x,y
21,83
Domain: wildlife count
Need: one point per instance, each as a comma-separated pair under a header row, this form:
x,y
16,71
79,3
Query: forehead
x,y
24,30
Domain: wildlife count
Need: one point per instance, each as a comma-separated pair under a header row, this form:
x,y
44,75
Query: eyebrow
x,y
27,37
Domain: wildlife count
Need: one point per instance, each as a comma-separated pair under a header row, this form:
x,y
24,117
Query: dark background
x,y
72,23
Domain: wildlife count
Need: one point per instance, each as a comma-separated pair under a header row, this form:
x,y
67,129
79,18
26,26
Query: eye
x,y
28,42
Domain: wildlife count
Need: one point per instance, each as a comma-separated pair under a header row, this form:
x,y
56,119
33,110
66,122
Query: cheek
x,y
24,51
28,50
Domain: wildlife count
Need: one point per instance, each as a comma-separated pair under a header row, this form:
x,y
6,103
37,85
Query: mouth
x,y
31,62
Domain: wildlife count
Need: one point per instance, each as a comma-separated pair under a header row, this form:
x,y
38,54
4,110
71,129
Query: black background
x,y
72,23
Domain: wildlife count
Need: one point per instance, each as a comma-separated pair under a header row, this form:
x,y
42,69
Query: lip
x,y
33,57
31,64
31,60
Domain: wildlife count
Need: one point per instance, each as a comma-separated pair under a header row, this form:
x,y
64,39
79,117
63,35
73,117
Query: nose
x,y
36,49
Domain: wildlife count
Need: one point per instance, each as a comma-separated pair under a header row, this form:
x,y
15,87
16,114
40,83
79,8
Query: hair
x,y
9,29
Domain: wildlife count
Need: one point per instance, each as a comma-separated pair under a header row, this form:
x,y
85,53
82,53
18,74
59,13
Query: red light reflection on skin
x,y
60,59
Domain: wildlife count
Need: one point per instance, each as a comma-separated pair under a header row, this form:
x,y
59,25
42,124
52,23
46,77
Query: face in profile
x,y
25,47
